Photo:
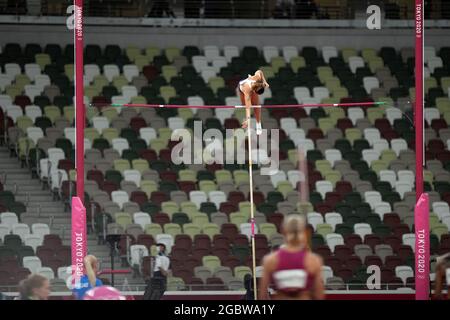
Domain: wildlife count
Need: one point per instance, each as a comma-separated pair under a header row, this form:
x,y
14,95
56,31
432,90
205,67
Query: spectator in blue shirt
x,y
89,280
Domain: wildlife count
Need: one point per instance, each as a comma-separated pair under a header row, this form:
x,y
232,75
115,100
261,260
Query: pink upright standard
x,y
79,98
418,107
422,248
79,241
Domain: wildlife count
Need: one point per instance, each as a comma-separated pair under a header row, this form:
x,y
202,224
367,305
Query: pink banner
x,y
79,238
79,97
422,247
418,113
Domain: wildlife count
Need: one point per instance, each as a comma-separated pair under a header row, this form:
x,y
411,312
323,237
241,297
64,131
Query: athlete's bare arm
x,y
248,99
269,265
248,105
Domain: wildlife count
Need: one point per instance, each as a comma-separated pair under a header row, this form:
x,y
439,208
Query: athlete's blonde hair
x,y
257,85
294,227
91,264
28,285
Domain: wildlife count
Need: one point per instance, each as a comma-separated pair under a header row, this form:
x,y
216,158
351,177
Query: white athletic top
x,y
162,262
249,81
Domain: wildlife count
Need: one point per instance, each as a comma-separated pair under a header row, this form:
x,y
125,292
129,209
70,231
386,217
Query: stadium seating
x,y
360,160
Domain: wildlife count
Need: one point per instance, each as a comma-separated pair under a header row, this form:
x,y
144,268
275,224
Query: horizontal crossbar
x,y
322,105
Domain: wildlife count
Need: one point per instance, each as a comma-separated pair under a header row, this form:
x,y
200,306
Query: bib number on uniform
x,y
291,279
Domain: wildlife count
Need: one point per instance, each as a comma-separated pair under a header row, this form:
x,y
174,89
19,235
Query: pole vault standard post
x,y
78,226
79,98
422,209
418,110
252,215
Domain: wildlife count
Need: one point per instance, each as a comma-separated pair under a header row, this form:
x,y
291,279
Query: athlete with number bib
x,y
296,272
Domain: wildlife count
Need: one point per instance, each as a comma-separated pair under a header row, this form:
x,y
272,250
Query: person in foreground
x,y
294,270
34,287
104,293
248,90
89,280
442,276
157,285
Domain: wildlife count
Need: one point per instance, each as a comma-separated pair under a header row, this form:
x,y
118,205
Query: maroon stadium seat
x,y
228,207
54,263
95,175
45,254
146,240
372,240
109,187
241,240
231,262
277,220
184,273
352,240
183,241
52,241
382,124
353,263
148,154
196,284
323,251
401,229
258,197
199,253
343,252
393,240
391,220
187,186
179,253
192,262
343,187
139,197
344,124
404,252
236,197
168,176
438,124
202,241
333,262
137,123
158,197
220,252
392,262
373,260
345,273
161,218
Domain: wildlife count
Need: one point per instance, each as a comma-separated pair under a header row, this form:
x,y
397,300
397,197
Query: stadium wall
x,y
238,295
170,36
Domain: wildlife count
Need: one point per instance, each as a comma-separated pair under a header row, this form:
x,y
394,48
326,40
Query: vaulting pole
x,y
252,205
